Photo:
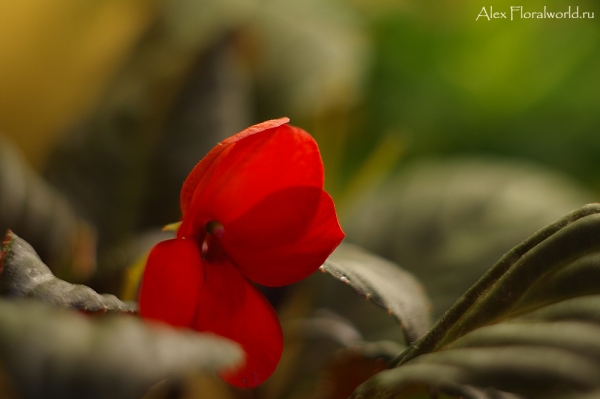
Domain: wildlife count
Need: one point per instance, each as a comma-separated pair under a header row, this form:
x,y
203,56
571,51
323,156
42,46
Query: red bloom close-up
x,y
254,211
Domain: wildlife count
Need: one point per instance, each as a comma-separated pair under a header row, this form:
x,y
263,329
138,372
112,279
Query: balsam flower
x,y
254,210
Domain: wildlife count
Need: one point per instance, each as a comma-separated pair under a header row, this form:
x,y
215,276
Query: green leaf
x,y
383,283
56,353
448,220
24,275
530,326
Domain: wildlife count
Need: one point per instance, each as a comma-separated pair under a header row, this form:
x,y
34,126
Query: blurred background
x,y
446,140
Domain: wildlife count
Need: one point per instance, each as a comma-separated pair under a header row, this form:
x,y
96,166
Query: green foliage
x,y
55,353
24,275
448,220
449,84
515,330
441,84
384,284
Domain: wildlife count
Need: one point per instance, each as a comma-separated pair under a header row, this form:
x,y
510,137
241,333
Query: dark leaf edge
x,y
412,308
509,329
24,275
449,322
56,353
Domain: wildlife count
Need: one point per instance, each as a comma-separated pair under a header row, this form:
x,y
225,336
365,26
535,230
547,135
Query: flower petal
x,y
171,282
251,169
285,237
189,186
232,307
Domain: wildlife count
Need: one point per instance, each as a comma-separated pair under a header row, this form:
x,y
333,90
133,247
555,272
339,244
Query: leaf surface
x,y
383,283
56,353
24,275
448,220
530,326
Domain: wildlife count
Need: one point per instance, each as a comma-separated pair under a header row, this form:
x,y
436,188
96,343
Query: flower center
x,y
215,227
211,249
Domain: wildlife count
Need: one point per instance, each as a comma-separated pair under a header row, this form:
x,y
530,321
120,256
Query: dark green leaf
x,y
24,275
383,283
425,381
448,220
530,326
507,288
56,353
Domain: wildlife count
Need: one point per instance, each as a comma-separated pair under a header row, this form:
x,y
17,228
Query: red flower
x,y
253,209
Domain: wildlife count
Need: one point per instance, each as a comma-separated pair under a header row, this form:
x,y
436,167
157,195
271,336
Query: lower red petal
x,y
285,237
232,307
171,283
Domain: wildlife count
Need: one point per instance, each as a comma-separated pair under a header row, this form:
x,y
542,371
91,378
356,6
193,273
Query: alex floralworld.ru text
x,y
517,12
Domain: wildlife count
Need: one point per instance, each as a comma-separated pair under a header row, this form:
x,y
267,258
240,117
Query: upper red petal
x,y
250,169
201,168
285,237
232,307
171,283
